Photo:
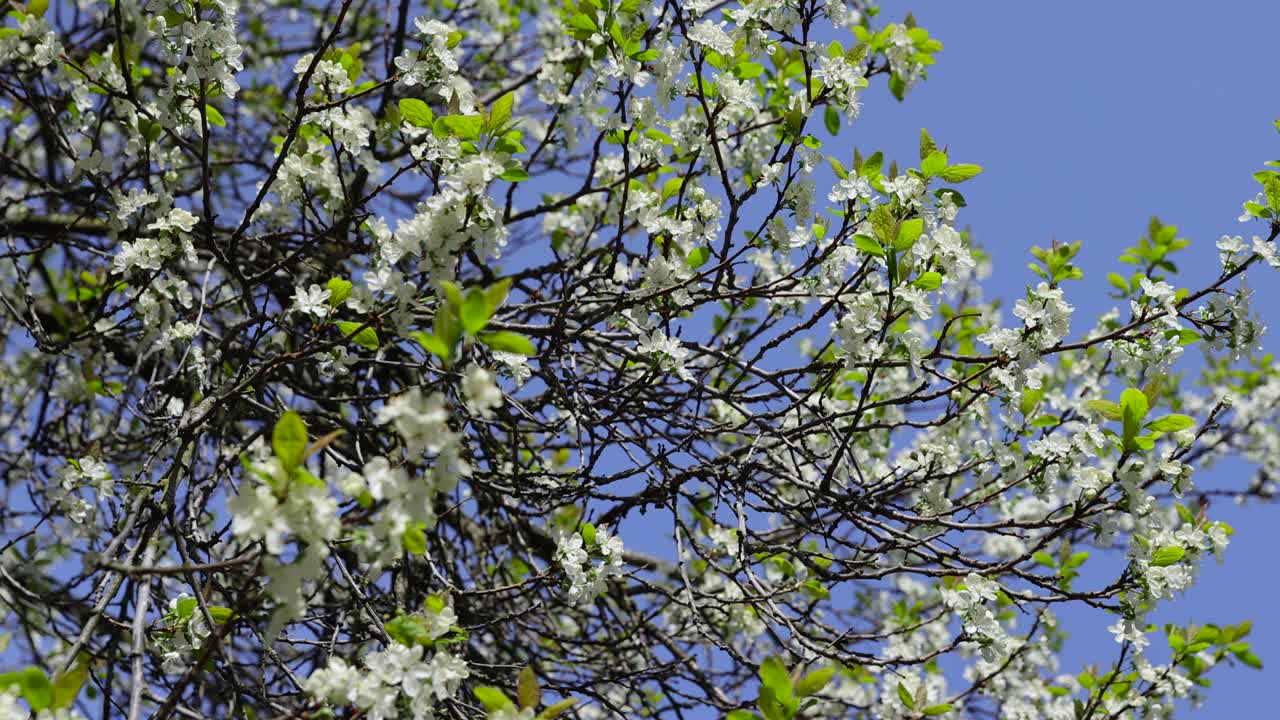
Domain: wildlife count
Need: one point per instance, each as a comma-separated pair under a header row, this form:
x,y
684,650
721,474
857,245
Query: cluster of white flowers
x,y
844,80
312,301
33,41
432,63
668,352
968,598
172,233
587,579
186,632
447,222
422,679
274,506
482,393
712,36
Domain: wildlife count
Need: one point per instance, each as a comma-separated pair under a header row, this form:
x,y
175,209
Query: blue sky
x,y
1090,117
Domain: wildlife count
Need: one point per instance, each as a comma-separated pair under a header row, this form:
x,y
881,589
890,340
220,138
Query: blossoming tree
x,y
346,342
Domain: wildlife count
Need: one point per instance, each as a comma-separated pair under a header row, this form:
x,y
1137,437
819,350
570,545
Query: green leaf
x,y
583,22
1271,186
767,701
831,117
67,686
942,709
882,223
775,677
447,327
1248,658
699,257
1133,408
409,630
1105,408
37,7
500,111
905,696
414,540
553,711
492,698
475,312
496,294
870,168
935,163
741,715
221,614
927,145
671,187
36,689
868,245
1171,423
452,294
960,173
814,681
504,341
431,344
214,117
527,690
365,337
1166,556
466,127
289,439
416,112
514,173
748,70
1076,560
908,233
339,291
929,281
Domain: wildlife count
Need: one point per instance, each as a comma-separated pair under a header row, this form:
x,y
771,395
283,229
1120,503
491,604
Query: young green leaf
x,y
1171,423
698,257
289,439
504,341
908,233
868,245
935,163
67,686
366,337
814,681
553,711
214,117
905,696
1133,408
960,173
36,689
1167,556
527,691
339,291
1105,408
431,344
475,311
500,111
492,698
928,281
414,540
776,678
416,112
